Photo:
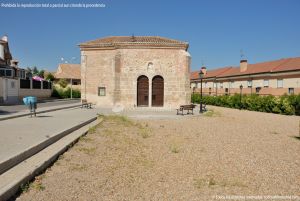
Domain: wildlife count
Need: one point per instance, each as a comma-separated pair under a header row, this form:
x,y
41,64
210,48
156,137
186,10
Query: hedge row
x,y
286,104
65,92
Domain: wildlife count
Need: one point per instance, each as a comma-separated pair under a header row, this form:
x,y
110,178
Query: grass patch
x,y
144,133
107,133
119,119
89,151
174,148
25,187
37,185
212,113
144,130
92,129
78,167
205,182
144,162
85,139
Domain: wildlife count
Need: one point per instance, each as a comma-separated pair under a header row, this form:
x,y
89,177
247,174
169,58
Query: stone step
x,y
25,171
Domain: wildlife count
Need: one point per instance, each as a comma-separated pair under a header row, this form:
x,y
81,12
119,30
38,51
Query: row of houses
x,y
276,77
147,71
16,82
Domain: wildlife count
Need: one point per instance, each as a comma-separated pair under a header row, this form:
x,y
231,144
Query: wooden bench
x,y
188,108
86,104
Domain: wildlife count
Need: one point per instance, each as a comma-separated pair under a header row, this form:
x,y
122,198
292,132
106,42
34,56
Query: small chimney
x,y
243,65
203,69
4,38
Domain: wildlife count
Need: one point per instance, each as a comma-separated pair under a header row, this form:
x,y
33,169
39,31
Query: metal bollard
x,y
32,108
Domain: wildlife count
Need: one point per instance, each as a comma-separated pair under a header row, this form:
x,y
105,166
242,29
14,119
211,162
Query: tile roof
x,y
118,41
68,71
288,64
210,73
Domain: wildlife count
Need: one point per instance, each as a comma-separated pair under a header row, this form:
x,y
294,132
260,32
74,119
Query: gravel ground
x,y
225,152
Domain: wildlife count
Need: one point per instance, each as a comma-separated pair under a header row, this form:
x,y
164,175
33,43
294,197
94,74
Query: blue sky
x,y
216,29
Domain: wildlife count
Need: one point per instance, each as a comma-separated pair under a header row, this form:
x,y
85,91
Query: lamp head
x,y
201,74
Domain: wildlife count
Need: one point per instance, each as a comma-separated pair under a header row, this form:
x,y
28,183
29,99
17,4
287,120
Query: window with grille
x,y
280,83
249,83
101,91
266,83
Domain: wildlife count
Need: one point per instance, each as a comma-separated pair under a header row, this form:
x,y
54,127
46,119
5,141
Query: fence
x,y
33,84
24,84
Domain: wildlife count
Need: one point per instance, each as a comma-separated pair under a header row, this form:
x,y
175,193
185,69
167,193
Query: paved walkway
x,y
20,134
15,109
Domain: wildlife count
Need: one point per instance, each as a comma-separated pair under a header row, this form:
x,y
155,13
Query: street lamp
x,y
241,89
193,94
201,77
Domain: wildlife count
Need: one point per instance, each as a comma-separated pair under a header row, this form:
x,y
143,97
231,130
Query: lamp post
x,y
71,80
193,95
241,89
201,77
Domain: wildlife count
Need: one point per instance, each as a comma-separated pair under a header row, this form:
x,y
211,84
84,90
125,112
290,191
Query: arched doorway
x,y
158,91
142,91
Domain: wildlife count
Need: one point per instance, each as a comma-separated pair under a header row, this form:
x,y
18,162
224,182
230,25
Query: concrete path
x,y
21,134
157,113
11,180
9,112
6,109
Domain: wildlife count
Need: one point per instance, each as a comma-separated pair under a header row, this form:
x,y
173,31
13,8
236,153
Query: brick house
x,y
70,72
135,71
15,82
276,77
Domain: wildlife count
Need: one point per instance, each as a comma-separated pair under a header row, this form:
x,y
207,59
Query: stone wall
x,y
118,71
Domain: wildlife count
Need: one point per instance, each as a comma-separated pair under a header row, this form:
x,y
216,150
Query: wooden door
x,y
142,91
158,91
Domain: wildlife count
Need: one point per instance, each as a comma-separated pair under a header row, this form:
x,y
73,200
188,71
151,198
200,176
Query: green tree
x,y
49,76
35,71
63,83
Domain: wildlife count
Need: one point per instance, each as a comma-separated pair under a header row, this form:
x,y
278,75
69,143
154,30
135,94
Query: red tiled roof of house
x,y
210,73
116,41
68,71
288,64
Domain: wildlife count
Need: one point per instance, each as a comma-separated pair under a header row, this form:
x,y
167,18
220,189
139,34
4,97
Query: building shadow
x,y
43,116
3,112
296,137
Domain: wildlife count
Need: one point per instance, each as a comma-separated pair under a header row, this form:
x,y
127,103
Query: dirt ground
x,y
225,152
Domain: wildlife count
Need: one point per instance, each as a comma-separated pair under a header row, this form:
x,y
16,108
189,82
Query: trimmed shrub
x,y
65,92
286,104
62,83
